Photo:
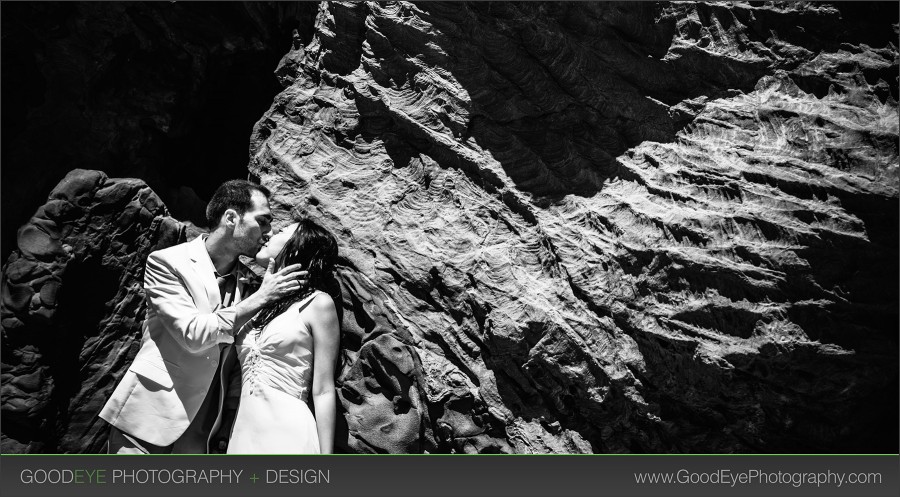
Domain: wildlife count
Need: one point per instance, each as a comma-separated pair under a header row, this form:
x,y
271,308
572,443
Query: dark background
x,y
162,91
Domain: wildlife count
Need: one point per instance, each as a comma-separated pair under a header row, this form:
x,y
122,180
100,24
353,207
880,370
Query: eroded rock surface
x,y
604,227
72,307
565,227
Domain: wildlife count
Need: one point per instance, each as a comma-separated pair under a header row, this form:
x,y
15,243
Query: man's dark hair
x,y
235,194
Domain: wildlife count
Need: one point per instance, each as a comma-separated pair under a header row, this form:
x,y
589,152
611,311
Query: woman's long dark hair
x,y
316,249
312,246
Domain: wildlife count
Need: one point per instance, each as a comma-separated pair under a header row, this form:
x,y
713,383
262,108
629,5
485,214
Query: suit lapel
x,y
205,270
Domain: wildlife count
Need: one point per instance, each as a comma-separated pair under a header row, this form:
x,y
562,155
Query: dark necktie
x,y
226,289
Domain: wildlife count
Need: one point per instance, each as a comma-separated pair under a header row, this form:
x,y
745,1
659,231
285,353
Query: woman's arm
x,y
326,334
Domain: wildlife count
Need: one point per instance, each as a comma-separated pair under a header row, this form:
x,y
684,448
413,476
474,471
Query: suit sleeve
x,y
176,310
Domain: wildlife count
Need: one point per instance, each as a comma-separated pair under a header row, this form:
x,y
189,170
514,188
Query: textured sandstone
x,y
72,307
565,227
604,227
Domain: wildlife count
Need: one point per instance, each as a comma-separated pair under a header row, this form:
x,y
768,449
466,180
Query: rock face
x,y
603,227
564,227
72,307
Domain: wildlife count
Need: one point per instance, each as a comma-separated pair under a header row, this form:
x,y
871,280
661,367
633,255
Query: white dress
x,y
276,373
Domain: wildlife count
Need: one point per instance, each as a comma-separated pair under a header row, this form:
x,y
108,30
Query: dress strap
x,y
306,300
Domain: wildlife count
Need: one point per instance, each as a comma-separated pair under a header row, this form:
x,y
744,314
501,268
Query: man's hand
x,y
275,286
279,284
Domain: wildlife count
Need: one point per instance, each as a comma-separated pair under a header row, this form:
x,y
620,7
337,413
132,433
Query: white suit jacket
x,y
163,389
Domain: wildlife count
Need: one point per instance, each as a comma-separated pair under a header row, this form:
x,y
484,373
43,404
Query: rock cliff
x,y
72,307
564,227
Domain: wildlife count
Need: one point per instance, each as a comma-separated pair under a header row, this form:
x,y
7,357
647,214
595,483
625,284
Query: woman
x,y
288,351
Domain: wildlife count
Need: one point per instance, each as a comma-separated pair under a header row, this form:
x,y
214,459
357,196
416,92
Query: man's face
x,y
252,229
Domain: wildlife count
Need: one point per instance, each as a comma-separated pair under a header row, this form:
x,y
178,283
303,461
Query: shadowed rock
x,y
72,307
140,89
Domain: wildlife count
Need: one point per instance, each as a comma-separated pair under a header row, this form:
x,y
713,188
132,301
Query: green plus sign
x,y
254,477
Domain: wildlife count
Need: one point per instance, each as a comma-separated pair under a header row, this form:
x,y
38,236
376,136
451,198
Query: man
x,y
196,295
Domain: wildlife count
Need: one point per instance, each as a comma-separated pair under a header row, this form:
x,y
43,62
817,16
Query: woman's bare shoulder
x,y
321,314
321,302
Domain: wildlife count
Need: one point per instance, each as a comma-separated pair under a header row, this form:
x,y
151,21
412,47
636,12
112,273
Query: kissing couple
x,y
217,357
